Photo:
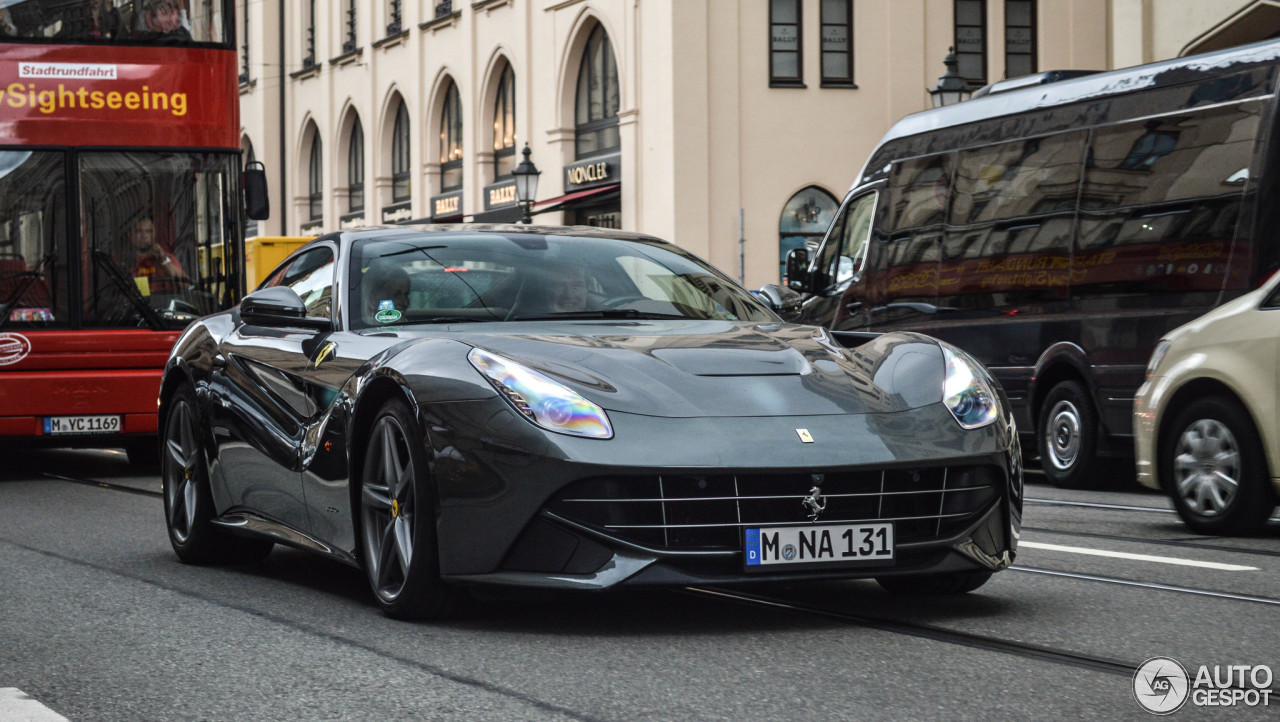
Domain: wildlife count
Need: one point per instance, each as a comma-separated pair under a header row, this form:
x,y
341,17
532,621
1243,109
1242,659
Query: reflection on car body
x,y
420,402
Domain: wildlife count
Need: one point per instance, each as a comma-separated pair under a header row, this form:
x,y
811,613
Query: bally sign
x,y
594,172
446,205
500,195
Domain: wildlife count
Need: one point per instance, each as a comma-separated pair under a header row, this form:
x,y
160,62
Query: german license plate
x,y
829,544
56,425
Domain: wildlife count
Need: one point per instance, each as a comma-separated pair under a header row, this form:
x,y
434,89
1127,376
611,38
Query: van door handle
x,y
853,306
218,361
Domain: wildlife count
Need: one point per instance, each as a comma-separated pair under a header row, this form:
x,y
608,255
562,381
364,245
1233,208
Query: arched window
x,y
400,177
804,220
451,140
596,113
315,181
504,125
355,168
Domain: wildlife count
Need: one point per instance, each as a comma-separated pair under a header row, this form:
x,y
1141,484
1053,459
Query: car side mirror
x,y
280,306
798,270
257,202
781,300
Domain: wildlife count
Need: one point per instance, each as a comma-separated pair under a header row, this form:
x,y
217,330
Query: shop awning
x,y
552,205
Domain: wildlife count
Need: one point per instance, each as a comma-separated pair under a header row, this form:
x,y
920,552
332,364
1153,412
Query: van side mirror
x,y
257,202
798,270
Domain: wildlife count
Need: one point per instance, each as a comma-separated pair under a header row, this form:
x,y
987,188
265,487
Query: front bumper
x,y
502,519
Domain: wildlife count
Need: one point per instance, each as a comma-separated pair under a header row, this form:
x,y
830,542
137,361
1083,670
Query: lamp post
x,y
526,175
951,88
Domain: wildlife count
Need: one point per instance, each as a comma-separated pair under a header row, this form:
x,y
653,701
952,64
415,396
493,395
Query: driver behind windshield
x,y
158,265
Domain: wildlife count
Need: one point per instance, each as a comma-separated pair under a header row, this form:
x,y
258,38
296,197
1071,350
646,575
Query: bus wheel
x,y
1212,466
1068,437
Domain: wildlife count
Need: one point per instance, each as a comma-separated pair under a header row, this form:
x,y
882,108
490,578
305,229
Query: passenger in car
x,y
386,287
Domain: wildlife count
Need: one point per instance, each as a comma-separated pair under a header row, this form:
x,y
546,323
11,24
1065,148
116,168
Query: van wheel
x,y
1067,437
1212,466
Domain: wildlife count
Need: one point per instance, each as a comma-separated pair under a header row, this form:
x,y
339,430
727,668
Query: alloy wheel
x,y
1207,467
389,505
181,455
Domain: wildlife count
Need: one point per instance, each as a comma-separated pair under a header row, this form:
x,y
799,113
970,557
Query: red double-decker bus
x,y
120,208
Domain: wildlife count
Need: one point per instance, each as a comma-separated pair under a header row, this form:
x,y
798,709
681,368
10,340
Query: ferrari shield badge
x,y
805,436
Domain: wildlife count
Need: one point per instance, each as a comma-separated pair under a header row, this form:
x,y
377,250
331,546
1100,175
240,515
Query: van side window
x,y
1165,194
1012,215
1014,180
918,192
848,243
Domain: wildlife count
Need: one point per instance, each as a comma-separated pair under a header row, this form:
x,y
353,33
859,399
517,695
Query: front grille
x,y
707,512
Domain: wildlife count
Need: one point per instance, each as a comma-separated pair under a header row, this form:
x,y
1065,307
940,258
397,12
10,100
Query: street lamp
x,y
951,88
526,175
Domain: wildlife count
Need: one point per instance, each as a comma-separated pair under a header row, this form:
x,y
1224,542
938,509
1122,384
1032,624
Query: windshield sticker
x,y
389,315
13,348
386,305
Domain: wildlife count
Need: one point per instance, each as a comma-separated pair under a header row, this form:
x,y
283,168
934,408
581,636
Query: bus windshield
x,y
153,227
136,22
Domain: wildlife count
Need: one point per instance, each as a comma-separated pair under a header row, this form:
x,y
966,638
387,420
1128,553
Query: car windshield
x,y
445,277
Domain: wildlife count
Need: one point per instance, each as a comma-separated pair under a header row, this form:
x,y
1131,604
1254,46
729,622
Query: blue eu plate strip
x,y
753,546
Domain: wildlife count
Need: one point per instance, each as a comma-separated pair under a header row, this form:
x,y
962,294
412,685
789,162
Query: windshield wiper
x,y
603,313
28,278
129,288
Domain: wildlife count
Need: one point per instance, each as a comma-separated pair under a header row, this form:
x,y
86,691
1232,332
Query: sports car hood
x,y
722,368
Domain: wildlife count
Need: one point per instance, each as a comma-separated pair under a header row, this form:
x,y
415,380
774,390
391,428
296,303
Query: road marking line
x,y
1138,557
17,706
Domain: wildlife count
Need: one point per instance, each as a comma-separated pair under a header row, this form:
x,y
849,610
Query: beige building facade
x,y
730,127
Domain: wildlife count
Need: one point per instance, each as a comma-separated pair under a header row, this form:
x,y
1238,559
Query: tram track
x,y
1054,655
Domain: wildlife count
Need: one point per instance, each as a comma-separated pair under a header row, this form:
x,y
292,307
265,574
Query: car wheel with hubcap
x,y
934,584
188,501
1213,468
397,520
1067,437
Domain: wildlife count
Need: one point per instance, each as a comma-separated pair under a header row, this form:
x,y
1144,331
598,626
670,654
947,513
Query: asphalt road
x,y
99,621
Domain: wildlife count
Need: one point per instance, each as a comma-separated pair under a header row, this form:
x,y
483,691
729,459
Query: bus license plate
x,y
56,425
829,544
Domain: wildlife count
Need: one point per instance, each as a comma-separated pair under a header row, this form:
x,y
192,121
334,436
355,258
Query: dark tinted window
x,y
918,191
1193,155
1023,178
785,59
1160,203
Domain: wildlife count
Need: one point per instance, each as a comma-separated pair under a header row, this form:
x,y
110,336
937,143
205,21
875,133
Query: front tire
x,y
397,521
1213,468
1067,437
934,584
188,501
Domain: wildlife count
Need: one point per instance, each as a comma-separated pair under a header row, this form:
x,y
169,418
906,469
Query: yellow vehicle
x,y
263,253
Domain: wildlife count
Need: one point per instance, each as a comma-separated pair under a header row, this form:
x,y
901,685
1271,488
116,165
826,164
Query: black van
x,y
1056,231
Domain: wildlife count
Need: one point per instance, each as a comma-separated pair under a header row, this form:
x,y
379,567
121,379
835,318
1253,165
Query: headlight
x,y
966,393
541,400
1157,356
